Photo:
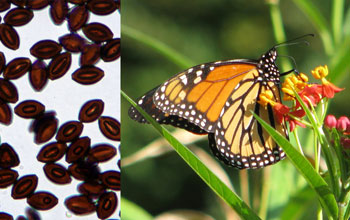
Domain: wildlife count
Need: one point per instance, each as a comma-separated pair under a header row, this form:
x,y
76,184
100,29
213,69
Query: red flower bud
x,y
330,121
342,123
345,142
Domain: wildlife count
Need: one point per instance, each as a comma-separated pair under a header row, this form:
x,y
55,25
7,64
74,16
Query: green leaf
x,y
304,167
337,20
202,171
131,211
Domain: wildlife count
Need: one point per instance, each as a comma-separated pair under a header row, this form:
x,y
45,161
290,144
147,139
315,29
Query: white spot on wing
x,y
197,80
162,89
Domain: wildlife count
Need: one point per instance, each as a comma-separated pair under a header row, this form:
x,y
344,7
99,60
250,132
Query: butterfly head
x,y
267,67
269,57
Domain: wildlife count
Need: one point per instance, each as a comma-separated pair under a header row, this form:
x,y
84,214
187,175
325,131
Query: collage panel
x,y
209,72
60,109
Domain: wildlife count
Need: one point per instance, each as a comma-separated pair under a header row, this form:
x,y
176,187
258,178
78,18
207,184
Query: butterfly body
x,y
217,98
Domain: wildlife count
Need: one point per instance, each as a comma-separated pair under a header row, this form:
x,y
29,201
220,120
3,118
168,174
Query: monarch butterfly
x,y
217,98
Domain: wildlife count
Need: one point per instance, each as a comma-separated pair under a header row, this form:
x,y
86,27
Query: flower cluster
x,y
311,95
342,125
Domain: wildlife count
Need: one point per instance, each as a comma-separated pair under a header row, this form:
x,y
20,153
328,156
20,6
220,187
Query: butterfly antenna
x,y
292,42
295,69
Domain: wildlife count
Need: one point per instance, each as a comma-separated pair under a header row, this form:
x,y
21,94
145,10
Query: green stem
x,y
329,161
324,108
316,146
338,151
278,30
314,113
300,120
325,195
296,137
319,22
347,212
324,144
337,20
343,204
319,212
158,46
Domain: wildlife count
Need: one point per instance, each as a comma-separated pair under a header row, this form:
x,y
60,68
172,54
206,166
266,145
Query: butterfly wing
x,y
239,140
146,103
199,93
218,98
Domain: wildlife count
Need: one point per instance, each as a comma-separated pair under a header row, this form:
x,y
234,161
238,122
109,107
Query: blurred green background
x,y
204,31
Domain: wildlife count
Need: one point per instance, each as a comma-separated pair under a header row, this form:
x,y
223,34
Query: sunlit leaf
x,y
316,182
221,189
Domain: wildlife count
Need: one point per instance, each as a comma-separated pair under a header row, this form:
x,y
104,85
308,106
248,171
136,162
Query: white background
x,y
64,96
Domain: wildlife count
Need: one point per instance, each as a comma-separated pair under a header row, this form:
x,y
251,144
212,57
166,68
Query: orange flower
x,y
328,89
280,110
296,82
298,113
310,94
320,72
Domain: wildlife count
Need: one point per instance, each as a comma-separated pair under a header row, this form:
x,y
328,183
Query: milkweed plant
x,y
331,134
327,172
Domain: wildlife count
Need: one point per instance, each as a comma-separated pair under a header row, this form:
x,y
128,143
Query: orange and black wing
x,y
218,98
146,103
199,93
239,140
